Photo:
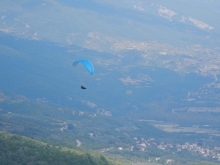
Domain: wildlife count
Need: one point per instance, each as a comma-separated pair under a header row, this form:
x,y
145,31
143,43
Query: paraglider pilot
x,y
82,87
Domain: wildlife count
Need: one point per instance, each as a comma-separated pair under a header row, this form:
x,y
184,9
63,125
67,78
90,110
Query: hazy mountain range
x,y
151,27
104,25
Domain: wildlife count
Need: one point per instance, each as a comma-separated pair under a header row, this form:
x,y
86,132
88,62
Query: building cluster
x,y
142,146
194,147
204,151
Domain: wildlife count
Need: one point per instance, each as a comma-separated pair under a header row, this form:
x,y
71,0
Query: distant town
x,y
142,145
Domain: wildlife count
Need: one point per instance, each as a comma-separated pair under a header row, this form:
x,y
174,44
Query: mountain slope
x,y
121,138
101,25
20,150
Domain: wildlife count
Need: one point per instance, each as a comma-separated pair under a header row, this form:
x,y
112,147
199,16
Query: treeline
x,y
20,150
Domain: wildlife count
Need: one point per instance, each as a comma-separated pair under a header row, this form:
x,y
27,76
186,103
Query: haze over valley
x,y
154,96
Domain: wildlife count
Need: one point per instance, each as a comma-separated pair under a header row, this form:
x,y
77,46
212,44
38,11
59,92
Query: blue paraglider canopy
x,y
87,64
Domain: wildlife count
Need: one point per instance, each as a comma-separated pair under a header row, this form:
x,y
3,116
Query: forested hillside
x,y
20,150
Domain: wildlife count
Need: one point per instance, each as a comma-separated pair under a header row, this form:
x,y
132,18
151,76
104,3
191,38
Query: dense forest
x,y
20,150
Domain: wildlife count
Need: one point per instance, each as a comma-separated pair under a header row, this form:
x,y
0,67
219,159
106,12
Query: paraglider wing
x,y
86,63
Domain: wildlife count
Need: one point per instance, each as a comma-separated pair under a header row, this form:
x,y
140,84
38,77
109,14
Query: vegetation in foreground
x,y
20,150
